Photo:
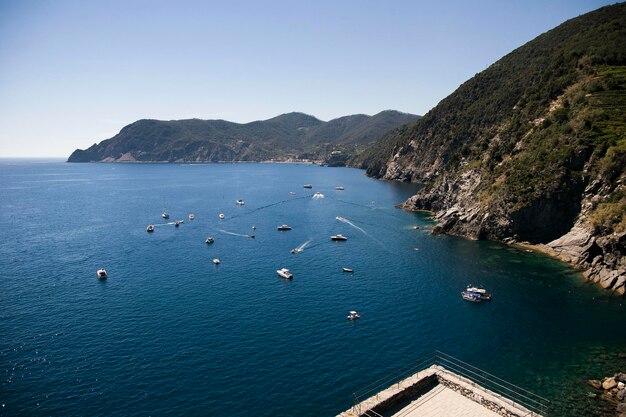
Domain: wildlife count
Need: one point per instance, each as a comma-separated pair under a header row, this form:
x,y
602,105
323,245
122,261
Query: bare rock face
x,y
609,383
458,211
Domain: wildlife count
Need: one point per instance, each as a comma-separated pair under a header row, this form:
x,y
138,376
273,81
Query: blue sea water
x,y
169,333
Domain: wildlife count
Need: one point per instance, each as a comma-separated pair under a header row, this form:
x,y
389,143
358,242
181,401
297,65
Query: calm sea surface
x,y
169,333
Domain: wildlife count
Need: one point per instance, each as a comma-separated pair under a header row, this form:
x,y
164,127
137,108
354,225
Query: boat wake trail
x,y
268,206
304,245
232,234
346,221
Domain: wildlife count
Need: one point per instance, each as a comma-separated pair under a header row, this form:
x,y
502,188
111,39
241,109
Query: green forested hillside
x,y
533,148
288,136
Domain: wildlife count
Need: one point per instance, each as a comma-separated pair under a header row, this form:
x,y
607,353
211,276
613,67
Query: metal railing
x,y
479,379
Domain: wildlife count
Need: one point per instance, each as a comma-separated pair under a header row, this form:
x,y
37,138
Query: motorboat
x,y
348,270
216,261
339,188
471,296
318,195
481,292
338,237
221,216
251,236
253,227
191,216
308,186
165,215
240,202
284,273
353,315
292,193
150,228
209,240
415,228
178,223
283,227
102,273
295,250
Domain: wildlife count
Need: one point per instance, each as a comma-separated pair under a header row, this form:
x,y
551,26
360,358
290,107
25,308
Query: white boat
x,y
191,216
165,215
348,270
253,227
216,261
283,227
102,273
240,202
221,216
209,240
481,292
292,193
284,273
469,296
150,228
353,315
178,223
295,250
338,237
308,186
339,188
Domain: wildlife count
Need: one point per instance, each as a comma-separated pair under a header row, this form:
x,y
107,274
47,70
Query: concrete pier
x,y
437,391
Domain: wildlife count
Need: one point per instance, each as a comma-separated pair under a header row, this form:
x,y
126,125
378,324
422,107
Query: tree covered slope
x,y
531,149
292,135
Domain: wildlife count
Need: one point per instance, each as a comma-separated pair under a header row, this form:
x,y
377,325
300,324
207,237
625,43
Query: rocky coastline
x,y
611,389
602,259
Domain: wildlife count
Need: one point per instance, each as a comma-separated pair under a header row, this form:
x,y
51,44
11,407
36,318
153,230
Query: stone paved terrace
x,y
436,391
442,401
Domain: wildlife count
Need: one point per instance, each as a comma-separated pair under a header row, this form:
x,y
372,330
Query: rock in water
x,y
609,383
595,383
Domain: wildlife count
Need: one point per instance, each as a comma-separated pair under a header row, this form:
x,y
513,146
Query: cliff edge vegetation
x,y
533,149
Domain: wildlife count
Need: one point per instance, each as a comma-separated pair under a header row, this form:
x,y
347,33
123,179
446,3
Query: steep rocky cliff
x,y
533,149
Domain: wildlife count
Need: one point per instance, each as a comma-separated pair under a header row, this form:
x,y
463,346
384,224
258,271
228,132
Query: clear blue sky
x,y
73,73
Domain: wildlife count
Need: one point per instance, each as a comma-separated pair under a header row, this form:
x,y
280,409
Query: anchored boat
x,y
283,227
284,273
102,273
338,237
353,315
481,292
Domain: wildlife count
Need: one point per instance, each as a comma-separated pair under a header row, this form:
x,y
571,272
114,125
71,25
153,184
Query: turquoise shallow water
x,y
169,333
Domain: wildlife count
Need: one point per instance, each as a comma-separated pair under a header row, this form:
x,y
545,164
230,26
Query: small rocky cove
x,y
454,208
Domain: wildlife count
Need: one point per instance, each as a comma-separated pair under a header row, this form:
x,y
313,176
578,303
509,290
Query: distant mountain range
x,y
531,149
291,136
